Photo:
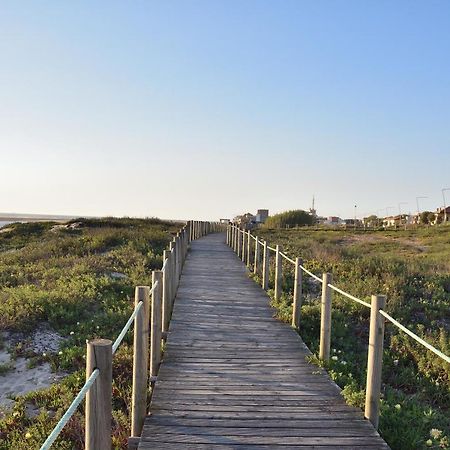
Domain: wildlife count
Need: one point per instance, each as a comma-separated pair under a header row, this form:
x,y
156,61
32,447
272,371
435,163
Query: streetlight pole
x,y
445,207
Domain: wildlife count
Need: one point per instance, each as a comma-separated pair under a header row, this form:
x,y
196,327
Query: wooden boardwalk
x,y
234,377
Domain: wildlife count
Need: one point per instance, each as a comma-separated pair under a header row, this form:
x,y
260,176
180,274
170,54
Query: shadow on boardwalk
x,y
235,377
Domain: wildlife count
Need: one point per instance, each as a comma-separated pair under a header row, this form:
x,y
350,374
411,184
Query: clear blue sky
x,y
205,109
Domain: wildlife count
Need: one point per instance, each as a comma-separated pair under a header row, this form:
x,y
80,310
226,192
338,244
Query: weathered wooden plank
x,y
163,445
287,424
338,441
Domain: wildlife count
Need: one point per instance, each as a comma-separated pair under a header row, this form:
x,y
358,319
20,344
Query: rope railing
x,y
351,297
236,239
286,257
70,411
414,336
127,326
100,351
310,273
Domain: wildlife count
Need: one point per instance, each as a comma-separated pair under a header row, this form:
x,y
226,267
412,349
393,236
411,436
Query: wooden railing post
x,y
239,243
256,263
249,248
99,396
188,231
236,239
182,246
166,294
140,360
325,318
155,340
244,245
375,360
297,303
175,262
278,273
265,269
178,248
173,270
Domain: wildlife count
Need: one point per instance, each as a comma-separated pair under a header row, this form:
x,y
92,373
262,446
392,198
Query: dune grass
x,y
80,280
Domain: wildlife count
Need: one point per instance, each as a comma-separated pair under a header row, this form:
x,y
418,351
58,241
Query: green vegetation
x,y
413,269
80,279
289,219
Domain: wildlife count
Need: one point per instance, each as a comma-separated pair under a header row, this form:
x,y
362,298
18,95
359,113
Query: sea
x,y
2,223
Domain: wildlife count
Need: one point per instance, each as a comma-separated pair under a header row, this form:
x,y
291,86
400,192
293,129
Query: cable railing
x,y
259,258
97,389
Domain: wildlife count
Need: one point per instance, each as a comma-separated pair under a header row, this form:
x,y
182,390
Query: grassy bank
x,y
413,269
79,279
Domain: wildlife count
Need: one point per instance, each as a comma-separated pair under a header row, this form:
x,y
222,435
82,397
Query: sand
x,y
19,379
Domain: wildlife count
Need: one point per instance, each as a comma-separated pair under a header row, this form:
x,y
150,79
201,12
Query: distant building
x,y
353,222
334,220
442,215
395,221
247,220
224,220
261,215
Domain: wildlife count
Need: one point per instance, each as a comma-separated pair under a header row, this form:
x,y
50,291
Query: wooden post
x,y
188,231
155,340
297,303
278,273
99,396
257,259
265,270
244,245
178,247
181,250
236,237
325,318
166,296
239,243
173,249
249,248
375,360
140,360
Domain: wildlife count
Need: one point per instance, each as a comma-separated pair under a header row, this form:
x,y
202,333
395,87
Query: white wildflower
x,y
435,433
